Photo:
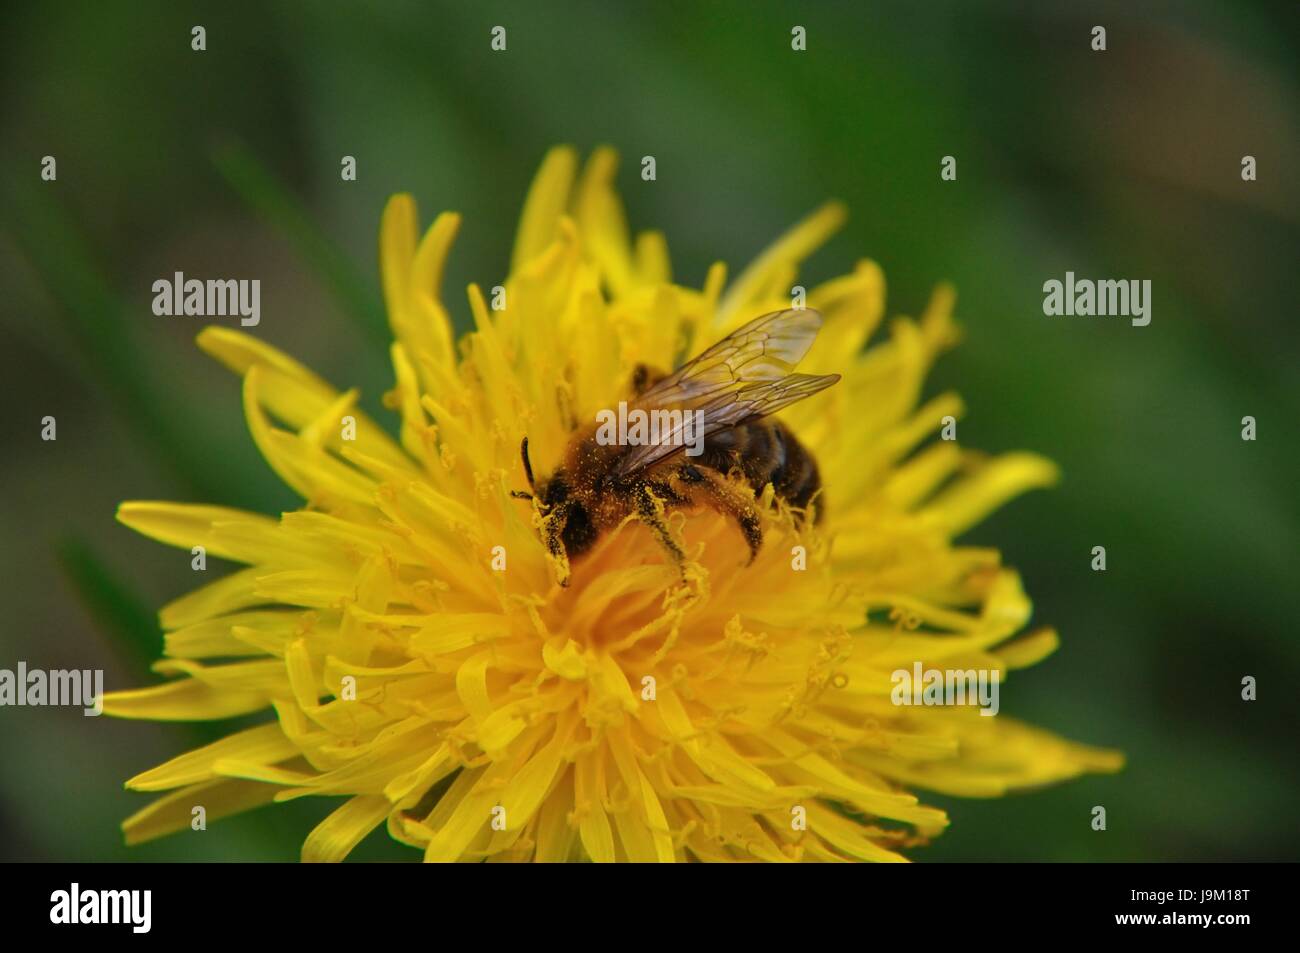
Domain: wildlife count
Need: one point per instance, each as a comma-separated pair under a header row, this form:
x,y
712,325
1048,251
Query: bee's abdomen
x,y
767,452
795,478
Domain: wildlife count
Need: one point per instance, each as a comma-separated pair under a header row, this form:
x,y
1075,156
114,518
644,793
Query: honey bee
x,y
728,393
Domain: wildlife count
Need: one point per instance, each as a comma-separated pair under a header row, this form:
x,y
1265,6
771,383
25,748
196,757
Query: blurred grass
x,y
356,294
127,620
145,395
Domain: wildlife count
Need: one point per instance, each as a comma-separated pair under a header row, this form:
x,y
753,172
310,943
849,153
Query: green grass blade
x,y
273,202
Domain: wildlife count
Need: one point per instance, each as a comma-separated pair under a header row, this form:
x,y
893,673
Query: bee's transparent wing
x,y
765,349
747,374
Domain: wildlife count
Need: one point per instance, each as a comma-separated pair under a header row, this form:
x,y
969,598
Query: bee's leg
x,y
648,511
665,491
553,524
728,499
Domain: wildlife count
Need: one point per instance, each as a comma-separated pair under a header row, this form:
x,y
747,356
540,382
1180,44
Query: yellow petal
x,y
547,199
175,811
599,214
227,594
265,744
1029,649
335,837
398,232
525,793
790,249
974,497
214,638
184,700
294,394
190,524
429,334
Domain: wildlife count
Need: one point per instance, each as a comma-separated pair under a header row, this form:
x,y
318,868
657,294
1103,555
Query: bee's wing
x,y
765,349
747,374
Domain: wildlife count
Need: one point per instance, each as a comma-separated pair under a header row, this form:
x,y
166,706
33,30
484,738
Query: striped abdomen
x,y
766,452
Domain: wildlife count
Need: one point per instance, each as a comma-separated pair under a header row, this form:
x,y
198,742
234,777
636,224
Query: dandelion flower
x,y
406,628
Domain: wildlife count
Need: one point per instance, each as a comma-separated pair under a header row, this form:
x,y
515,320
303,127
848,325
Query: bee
x,y
732,389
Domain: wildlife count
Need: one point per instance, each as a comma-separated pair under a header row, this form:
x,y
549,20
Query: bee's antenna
x,y
528,465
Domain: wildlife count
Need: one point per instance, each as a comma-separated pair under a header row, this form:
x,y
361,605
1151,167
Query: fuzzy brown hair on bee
x,y
728,393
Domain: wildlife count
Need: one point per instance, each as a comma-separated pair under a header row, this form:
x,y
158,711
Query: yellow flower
x,y
407,629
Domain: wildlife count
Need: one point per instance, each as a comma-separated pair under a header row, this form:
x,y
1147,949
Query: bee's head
x,y
548,492
552,492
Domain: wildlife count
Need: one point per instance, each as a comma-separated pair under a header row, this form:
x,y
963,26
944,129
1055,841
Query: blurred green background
x,y
1123,164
